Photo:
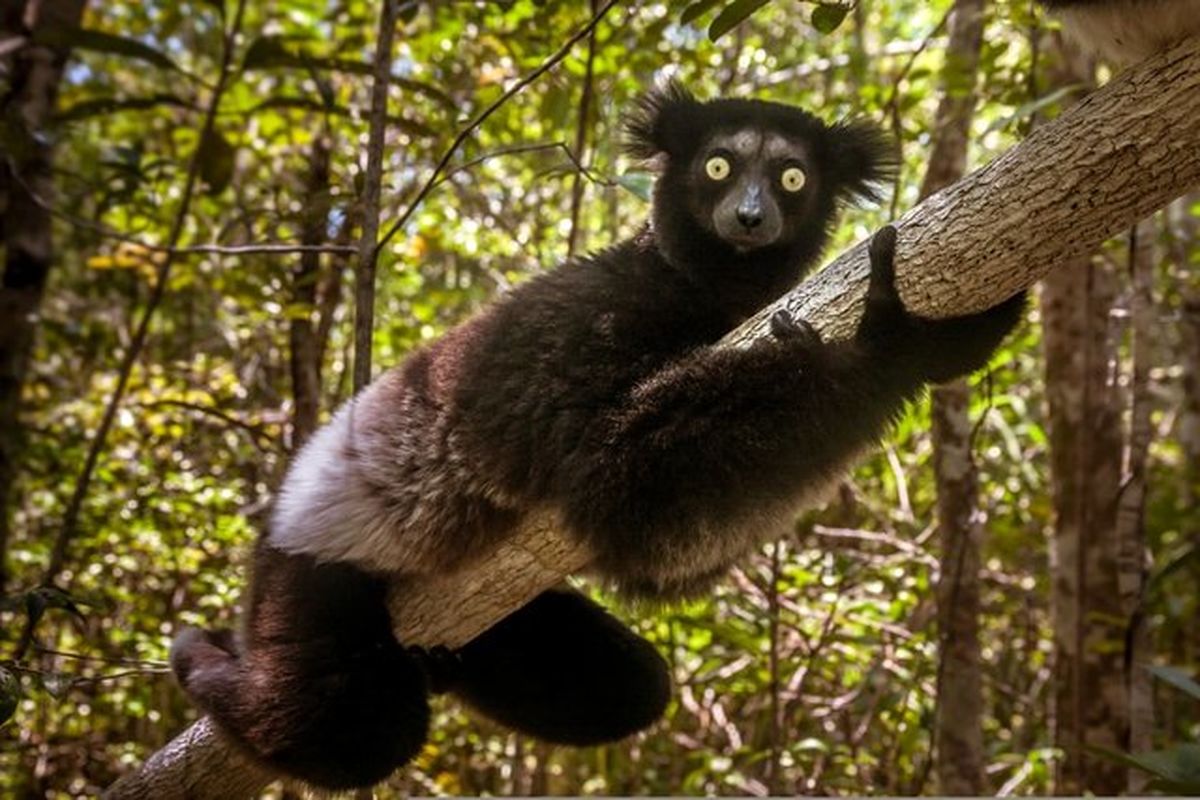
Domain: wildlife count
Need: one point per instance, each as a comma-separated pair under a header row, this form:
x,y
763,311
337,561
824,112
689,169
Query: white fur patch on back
x,y
1127,31
385,486
324,509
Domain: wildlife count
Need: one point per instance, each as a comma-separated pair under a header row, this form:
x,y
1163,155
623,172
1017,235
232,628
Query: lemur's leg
x,y
320,689
729,438
564,670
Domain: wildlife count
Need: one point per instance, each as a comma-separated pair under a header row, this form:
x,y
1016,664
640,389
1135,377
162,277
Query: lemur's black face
x,y
751,187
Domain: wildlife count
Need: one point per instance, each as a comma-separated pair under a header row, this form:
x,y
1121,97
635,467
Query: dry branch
x,y
1123,152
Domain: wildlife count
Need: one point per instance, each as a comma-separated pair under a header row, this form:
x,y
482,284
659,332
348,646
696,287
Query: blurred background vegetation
x,y
165,239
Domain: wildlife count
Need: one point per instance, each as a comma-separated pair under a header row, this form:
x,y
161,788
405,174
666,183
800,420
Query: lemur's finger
x,y
882,251
782,325
785,327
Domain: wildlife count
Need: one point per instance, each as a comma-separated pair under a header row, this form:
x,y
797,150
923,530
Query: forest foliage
x,y
815,667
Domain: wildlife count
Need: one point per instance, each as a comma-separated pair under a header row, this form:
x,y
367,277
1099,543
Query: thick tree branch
x,y
1126,150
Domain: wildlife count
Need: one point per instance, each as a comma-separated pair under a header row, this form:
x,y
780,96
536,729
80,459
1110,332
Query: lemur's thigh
x,y
564,670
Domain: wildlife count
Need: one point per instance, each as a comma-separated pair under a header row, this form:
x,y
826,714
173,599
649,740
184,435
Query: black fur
x,y
564,670
318,688
596,389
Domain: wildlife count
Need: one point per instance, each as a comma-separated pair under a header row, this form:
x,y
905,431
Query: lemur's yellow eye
x,y
792,179
717,168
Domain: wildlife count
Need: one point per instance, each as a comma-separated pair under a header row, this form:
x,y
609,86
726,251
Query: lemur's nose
x,y
750,218
750,210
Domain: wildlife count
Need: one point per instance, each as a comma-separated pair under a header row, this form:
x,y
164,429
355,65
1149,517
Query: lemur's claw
x,y
785,327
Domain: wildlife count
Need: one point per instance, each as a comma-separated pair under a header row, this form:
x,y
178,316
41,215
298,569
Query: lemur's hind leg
x,y
564,670
320,689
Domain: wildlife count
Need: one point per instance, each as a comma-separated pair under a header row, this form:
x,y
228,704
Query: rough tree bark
x,y
1125,151
32,69
958,729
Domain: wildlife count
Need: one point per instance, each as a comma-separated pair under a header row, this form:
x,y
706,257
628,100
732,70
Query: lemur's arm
x,y
723,436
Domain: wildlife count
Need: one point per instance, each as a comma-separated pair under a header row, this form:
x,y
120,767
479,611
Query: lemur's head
x,y
750,179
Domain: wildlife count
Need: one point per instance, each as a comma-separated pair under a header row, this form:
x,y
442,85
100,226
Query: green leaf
x,y
1034,106
1177,678
1178,766
99,106
277,52
409,126
10,695
697,10
100,42
216,161
732,16
408,11
826,17
639,183
45,597
266,52
1179,559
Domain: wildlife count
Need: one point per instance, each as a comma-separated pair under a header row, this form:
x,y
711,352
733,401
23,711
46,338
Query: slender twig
x,y
471,127
114,676
891,108
580,169
145,663
368,253
257,431
271,248
70,521
581,132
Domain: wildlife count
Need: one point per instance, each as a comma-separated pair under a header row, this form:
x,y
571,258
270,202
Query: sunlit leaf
x,y
1031,108
732,16
276,52
217,156
697,10
409,126
826,17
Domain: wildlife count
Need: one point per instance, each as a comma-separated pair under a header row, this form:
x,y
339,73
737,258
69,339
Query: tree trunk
x,y
33,71
1125,151
306,349
1085,445
1084,412
1187,238
1131,504
958,733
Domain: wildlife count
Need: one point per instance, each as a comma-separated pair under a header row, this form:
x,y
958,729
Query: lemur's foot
x,y
787,328
925,348
440,664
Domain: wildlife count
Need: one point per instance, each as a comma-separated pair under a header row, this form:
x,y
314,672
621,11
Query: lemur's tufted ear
x,y
659,124
861,160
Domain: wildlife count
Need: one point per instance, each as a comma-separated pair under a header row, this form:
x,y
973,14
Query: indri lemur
x,y
596,389
1125,31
